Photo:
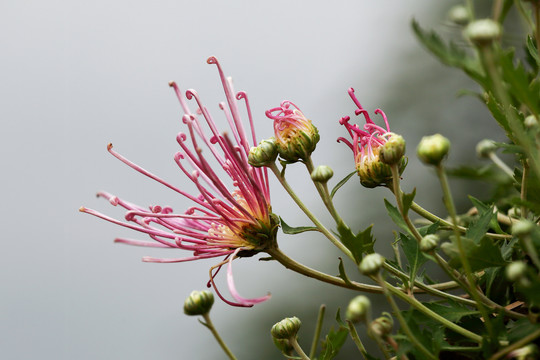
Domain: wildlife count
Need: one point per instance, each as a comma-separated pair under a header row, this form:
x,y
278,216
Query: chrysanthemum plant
x,y
488,306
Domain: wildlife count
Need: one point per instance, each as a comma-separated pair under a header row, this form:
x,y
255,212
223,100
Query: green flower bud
x,y
286,328
516,270
393,150
283,345
523,228
482,32
358,309
531,121
371,264
264,154
459,15
485,147
198,303
429,242
381,326
322,174
432,149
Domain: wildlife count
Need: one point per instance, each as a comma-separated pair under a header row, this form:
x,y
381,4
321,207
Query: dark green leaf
x,y
414,256
479,227
342,274
481,256
341,183
295,230
519,81
453,312
395,215
533,53
358,244
333,343
407,200
520,329
498,114
339,320
481,207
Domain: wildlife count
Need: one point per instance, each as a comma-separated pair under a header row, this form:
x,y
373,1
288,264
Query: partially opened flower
x,y
366,144
231,214
296,136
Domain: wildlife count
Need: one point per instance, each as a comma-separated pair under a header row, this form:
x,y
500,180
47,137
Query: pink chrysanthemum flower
x,y
366,145
296,136
229,219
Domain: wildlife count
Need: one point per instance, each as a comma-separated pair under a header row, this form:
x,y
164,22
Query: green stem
x,y
356,339
426,311
290,264
404,326
501,165
322,189
497,10
434,218
298,348
309,214
449,202
208,323
525,16
518,344
399,199
523,194
318,329
470,8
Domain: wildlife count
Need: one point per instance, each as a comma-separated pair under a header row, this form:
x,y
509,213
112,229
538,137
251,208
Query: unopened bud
x,y
358,309
371,264
393,150
286,328
198,303
516,270
381,326
432,149
523,228
322,174
264,154
429,242
485,147
482,32
283,345
459,15
531,121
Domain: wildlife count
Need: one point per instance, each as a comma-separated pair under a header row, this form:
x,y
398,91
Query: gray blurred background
x,y
77,75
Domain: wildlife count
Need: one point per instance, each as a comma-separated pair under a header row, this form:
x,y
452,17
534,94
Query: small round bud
x,y
286,328
358,309
371,264
198,303
264,154
482,32
531,121
516,271
514,212
381,326
459,15
523,228
529,352
322,174
485,147
429,242
393,150
432,149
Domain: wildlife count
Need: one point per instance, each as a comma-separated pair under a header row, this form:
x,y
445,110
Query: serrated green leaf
x,y
450,54
333,343
522,85
412,252
342,273
479,227
453,312
358,244
480,256
481,207
498,114
341,183
295,230
394,214
408,200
